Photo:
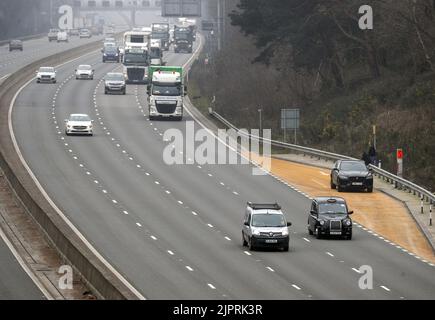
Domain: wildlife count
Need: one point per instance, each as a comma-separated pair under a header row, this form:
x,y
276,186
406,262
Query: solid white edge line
x,y
25,267
50,201
5,76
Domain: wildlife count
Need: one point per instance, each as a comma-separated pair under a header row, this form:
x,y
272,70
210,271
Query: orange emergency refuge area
x,y
375,211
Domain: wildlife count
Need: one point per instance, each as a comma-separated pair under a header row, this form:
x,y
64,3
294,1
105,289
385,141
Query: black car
x,y
111,54
351,174
329,216
15,45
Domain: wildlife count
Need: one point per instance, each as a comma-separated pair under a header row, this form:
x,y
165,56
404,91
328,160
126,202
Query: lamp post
x,y
260,111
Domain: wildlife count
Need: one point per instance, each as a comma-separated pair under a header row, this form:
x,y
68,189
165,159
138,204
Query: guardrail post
x,y
421,204
430,214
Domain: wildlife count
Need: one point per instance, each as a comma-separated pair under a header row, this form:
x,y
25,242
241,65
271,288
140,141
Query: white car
x,y
46,74
78,123
62,36
85,33
84,71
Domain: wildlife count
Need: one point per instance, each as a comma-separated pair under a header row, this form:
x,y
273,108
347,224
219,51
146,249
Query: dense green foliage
x,y
313,55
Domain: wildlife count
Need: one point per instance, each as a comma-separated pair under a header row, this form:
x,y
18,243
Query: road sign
x,y
290,118
399,154
399,157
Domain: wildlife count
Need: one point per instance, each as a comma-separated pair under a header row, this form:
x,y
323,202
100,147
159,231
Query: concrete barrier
x,y
101,279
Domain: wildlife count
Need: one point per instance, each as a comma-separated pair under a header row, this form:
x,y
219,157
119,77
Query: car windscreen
x,y
79,118
84,67
268,220
352,166
46,69
332,208
182,36
164,90
135,58
110,50
115,77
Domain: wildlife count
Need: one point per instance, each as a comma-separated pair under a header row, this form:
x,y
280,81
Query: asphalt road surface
x,y
175,231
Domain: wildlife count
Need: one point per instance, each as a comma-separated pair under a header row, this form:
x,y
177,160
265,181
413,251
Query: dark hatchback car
x,y
15,45
111,54
329,216
351,174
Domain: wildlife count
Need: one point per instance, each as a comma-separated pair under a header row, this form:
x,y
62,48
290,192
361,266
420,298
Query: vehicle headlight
x,y
90,127
370,176
321,222
285,232
68,126
347,222
343,177
256,232
190,45
104,54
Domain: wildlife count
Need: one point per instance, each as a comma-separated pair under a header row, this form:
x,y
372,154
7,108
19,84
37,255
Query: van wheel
x,y
250,245
285,248
318,235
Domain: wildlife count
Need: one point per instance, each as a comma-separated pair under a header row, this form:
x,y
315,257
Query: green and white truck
x,y
166,91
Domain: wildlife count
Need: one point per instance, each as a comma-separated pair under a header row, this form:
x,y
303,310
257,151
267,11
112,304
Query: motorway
x,y
175,231
14,281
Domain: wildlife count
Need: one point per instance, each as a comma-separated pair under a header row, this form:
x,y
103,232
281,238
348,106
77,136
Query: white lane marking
x,y
270,269
138,224
104,191
227,238
5,76
189,268
211,286
306,240
125,212
156,182
356,270
329,254
114,201
323,173
247,253
180,202
194,213
170,252
25,267
296,287
385,288
235,192
210,225
154,238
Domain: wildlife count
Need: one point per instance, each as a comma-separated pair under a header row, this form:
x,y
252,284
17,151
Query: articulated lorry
x,y
166,91
183,39
161,31
136,56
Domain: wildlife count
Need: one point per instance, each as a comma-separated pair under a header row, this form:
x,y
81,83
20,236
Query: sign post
x,y
290,120
399,157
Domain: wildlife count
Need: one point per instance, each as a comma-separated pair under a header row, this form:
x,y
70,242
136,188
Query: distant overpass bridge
x,y
132,6
90,5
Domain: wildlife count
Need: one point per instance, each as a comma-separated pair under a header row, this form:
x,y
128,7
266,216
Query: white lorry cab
x,y
136,56
156,53
166,92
